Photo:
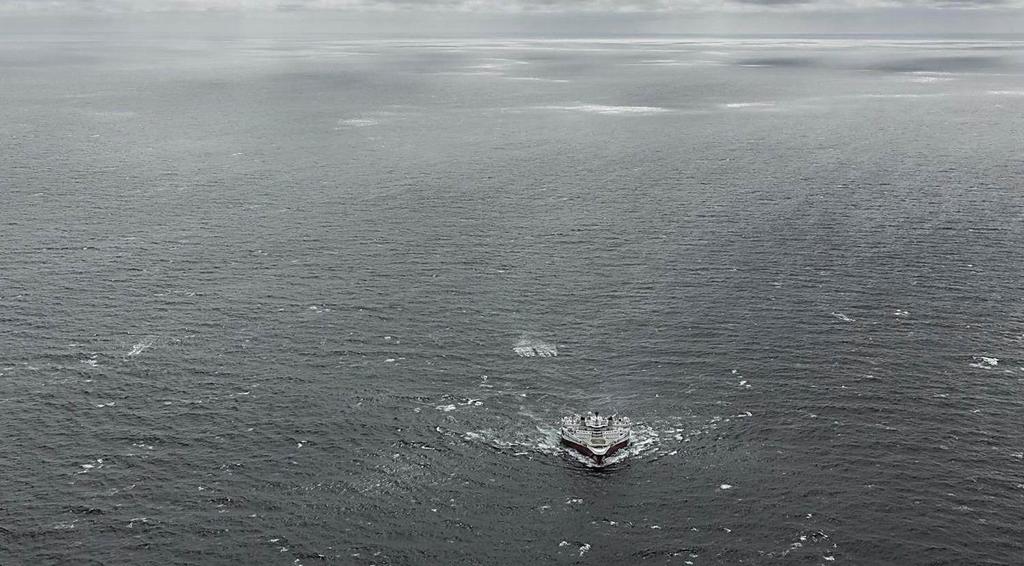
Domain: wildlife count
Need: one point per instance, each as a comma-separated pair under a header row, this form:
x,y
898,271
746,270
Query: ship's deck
x,y
595,431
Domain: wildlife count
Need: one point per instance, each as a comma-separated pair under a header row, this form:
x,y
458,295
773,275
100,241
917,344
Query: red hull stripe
x,y
586,451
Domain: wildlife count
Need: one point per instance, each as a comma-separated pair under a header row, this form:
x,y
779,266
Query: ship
x,y
594,436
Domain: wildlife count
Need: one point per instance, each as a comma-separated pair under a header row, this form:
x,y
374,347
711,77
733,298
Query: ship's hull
x,y
596,454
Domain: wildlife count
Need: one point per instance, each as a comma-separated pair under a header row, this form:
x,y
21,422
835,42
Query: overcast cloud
x,y
498,6
538,18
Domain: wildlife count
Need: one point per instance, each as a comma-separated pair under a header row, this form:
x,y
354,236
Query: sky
x,y
544,17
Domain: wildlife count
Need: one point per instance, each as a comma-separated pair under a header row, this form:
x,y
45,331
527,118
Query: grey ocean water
x,y
292,300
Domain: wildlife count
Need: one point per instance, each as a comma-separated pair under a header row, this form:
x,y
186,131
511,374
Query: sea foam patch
x,y
984,362
357,122
925,77
528,347
608,110
141,346
749,105
647,441
672,63
535,79
900,95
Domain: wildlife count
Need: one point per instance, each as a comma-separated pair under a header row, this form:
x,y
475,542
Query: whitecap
x,y
901,95
925,78
748,105
672,63
608,110
536,79
445,408
143,520
527,347
984,362
487,66
725,486
482,73
842,317
141,346
357,122
1006,92
97,464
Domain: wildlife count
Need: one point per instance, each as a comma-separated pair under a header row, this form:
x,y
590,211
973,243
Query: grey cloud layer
x,y
489,6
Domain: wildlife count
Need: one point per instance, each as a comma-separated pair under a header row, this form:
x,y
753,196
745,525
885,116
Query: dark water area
x,y
295,301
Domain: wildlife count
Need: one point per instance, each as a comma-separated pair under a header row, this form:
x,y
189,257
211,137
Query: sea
x,y
323,299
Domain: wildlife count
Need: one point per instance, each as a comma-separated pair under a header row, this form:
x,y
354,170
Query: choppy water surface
x,y
298,300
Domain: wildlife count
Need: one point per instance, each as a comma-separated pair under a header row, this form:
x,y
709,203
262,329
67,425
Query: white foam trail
x,y
471,73
672,63
645,442
749,105
508,61
901,95
358,122
609,110
536,79
1006,92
